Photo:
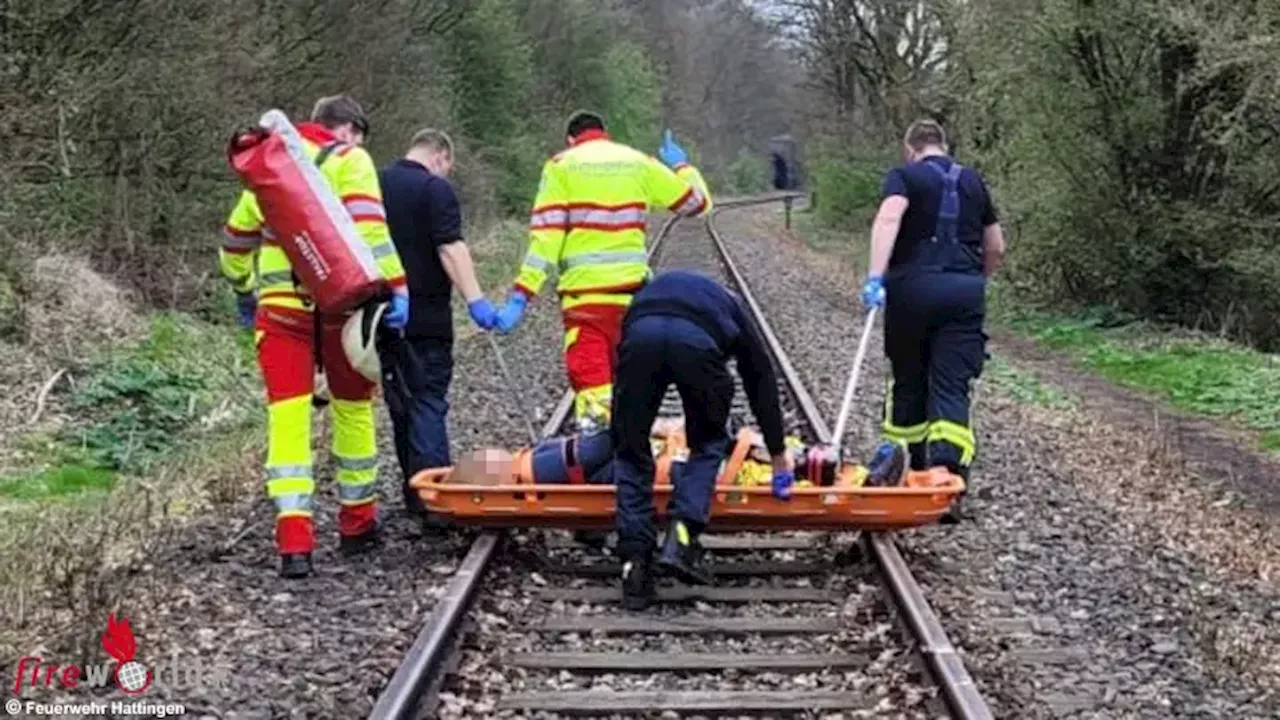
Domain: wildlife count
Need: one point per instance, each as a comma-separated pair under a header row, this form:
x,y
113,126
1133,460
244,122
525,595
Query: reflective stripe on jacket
x,y
588,220
353,177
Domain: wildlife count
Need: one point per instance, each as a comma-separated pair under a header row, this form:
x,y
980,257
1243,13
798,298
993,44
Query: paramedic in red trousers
x,y
588,223
282,314
935,241
682,329
426,225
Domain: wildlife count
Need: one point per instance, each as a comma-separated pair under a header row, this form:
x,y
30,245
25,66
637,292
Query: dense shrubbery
x,y
846,186
1131,145
116,114
1138,157
748,173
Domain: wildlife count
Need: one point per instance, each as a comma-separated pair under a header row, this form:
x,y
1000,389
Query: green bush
x,y
139,403
1146,185
749,173
846,186
632,95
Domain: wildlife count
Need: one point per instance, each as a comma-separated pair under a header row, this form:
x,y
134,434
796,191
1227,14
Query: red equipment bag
x,y
329,257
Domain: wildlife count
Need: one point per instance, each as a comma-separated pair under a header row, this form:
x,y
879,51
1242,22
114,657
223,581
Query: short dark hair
x,y
337,110
433,140
582,121
924,133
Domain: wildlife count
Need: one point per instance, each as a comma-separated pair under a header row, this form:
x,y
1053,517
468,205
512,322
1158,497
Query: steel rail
x,y
962,697
404,693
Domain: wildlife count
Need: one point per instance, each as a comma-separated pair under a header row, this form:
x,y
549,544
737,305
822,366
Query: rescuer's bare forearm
x,y
884,232
883,235
992,249
456,259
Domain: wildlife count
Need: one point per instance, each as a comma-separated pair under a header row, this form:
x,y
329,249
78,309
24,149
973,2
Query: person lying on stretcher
x,y
584,459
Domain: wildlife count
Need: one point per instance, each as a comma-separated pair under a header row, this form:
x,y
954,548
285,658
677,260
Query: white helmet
x,y
359,341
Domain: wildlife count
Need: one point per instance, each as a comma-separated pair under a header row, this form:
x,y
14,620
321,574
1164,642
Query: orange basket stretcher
x,y
511,499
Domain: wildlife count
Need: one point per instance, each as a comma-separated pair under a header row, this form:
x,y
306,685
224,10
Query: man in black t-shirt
x,y
426,226
934,242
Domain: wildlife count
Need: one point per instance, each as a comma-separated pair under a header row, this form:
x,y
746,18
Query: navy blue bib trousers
x,y
935,343
656,352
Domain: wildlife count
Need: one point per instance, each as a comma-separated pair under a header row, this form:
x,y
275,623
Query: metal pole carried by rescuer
x,y
934,242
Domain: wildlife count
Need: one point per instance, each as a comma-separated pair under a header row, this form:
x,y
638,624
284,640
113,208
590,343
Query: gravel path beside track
x,y
1069,592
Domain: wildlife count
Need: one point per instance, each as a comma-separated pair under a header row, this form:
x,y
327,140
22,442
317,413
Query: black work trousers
x,y
656,352
416,373
934,338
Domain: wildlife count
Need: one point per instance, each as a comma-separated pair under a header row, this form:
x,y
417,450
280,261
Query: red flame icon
x,y
132,677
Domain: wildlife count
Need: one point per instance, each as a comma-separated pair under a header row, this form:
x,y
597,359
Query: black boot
x,y
356,544
682,555
412,501
594,539
956,513
295,566
638,591
432,524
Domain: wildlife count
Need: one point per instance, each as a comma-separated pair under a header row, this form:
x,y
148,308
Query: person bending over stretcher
x,y
682,328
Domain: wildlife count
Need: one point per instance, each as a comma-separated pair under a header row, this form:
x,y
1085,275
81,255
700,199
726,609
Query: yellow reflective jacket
x,y
589,217
350,172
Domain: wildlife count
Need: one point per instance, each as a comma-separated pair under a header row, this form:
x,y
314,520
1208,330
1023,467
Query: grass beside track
x,y
1191,371
136,407
152,434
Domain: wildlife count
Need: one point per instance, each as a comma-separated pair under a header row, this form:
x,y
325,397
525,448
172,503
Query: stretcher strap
x,y
326,151
730,469
317,340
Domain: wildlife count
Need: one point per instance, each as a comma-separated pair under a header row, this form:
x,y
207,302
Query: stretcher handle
x,y
847,403
515,391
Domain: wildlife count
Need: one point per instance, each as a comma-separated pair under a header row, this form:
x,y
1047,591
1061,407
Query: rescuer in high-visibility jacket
x,y
589,224
285,332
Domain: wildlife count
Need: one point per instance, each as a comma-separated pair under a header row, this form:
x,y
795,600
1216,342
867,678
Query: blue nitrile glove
x,y
670,153
246,308
511,313
782,482
483,313
397,316
873,294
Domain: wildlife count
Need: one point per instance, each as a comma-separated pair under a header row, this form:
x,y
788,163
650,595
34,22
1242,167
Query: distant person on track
x,y
287,326
682,328
588,224
780,180
426,224
934,242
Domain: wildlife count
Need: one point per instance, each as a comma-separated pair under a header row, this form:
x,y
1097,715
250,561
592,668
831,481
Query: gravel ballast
x,y
1093,578
888,683
1099,576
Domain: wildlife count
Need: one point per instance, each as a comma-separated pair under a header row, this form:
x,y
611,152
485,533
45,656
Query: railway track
x,y
795,624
